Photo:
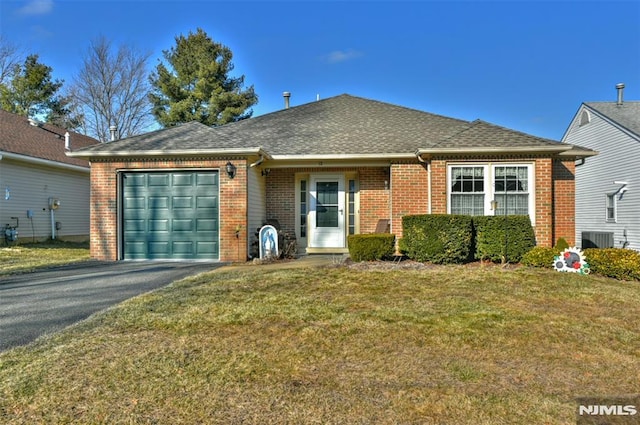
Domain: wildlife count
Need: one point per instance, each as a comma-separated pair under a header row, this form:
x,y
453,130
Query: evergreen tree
x,y
31,91
196,85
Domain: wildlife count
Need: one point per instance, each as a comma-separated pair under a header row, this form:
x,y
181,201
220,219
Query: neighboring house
x,y
323,170
34,173
608,185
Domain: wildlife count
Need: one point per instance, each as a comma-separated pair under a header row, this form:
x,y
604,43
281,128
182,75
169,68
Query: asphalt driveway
x,y
40,303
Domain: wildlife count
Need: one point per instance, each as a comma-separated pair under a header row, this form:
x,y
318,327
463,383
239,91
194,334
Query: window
x,y
303,209
473,187
611,208
511,189
467,190
351,206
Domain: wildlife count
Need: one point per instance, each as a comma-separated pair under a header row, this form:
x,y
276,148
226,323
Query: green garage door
x,y
170,215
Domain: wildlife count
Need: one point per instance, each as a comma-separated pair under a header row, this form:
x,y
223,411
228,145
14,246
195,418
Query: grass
x,y
448,345
30,257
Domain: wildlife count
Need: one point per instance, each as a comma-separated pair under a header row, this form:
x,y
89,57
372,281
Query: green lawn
x,y
447,345
30,257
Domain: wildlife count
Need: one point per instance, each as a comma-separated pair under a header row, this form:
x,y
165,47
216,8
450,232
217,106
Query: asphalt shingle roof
x,y
626,115
341,125
17,136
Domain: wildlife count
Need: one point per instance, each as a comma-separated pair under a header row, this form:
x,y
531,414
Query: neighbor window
x,y
611,208
472,188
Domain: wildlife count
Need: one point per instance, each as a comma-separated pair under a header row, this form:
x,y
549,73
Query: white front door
x,y
327,211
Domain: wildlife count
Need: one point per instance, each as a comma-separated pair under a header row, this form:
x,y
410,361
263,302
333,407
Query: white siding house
x,y
608,184
34,171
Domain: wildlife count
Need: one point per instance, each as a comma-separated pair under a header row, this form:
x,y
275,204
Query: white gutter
x,y
317,157
126,153
40,161
495,150
258,162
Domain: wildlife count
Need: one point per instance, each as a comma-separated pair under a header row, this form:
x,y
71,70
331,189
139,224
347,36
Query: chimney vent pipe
x,y
67,141
113,129
620,88
286,96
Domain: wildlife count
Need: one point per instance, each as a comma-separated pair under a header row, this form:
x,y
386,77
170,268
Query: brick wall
x,y
104,204
373,192
409,193
374,197
554,192
564,200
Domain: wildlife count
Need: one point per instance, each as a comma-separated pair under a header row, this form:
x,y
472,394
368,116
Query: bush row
x,y
618,263
371,247
438,239
441,239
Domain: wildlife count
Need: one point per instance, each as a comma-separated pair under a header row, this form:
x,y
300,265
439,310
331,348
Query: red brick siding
x,y
544,202
564,200
554,187
409,193
104,200
374,197
281,198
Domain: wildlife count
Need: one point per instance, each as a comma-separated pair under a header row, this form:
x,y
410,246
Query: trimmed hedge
x,y
490,237
371,247
437,238
540,256
618,263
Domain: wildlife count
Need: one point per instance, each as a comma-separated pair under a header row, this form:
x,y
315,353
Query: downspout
x,y
258,162
428,163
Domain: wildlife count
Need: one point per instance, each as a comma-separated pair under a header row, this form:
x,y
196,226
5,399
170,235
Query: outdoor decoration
x,y
571,260
268,237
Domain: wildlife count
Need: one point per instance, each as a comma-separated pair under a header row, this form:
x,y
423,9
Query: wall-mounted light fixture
x,y
265,172
231,170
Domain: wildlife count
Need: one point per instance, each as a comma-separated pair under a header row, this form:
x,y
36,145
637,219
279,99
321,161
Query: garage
x,y
170,215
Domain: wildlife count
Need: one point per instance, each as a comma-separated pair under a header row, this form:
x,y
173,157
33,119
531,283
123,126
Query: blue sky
x,y
525,65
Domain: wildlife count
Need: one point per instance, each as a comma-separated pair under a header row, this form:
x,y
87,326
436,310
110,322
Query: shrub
x,y
437,238
539,256
561,245
371,247
618,263
491,242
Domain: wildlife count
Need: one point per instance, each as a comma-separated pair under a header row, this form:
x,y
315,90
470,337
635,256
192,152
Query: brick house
x,y
324,170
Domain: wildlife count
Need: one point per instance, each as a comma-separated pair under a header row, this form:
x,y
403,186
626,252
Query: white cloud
x,y
36,7
343,55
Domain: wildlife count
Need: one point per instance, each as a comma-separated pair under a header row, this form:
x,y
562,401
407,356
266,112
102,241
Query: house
x,y
323,170
43,191
608,185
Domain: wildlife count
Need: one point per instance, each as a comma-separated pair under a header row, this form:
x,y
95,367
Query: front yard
x,y
446,345
30,257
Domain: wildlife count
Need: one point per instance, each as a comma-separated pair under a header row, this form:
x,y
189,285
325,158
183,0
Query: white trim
x,y
41,161
489,183
312,231
120,203
161,153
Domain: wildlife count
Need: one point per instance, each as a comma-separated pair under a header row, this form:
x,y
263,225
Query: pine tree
x,y
196,85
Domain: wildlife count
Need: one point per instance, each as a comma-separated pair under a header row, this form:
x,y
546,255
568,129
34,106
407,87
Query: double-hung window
x,y
468,190
472,188
611,208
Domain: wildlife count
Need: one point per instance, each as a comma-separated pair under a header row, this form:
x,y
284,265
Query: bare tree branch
x,y
112,89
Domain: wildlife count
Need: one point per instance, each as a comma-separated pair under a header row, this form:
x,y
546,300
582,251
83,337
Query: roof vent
x,y
67,141
113,130
286,96
620,88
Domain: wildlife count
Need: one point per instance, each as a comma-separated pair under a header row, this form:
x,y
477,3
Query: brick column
x,y
409,193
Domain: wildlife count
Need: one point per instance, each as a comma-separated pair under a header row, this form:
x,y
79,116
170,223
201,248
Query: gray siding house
x,y
608,184
34,173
